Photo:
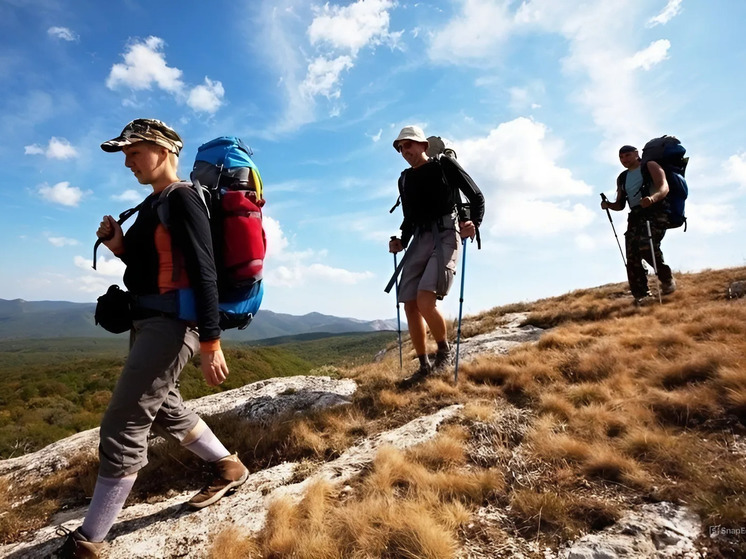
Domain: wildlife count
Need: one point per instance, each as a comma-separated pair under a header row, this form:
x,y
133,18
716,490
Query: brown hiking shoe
x,y
76,545
229,474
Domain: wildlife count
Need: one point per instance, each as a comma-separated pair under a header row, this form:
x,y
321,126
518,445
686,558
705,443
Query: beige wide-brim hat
x,y
413,133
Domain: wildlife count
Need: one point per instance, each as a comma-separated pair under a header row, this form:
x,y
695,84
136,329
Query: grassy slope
x,y
615,406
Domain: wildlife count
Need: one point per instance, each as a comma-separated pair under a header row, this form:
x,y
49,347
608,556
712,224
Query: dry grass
x,y
614,406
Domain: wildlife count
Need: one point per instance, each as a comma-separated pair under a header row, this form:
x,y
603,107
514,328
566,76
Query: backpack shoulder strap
x,y
124,216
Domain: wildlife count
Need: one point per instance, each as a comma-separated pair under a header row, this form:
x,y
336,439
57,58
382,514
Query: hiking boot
x,y
442,360
229,474
668,287
420,375
76,546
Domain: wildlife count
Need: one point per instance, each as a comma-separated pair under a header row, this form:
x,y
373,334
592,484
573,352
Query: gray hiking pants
x,y
146,395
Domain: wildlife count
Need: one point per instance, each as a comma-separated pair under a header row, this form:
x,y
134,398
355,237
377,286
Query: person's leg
x,y
417,331
157,354
658,230
203,442
108,499
426,304
635,243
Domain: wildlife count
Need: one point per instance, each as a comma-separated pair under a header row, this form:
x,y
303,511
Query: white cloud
x,y
294,269
207,97
62,241
647,58
335,36
58,148
297,276
323,76
62,33
476,33
354,26
712,219
671,10
110,266
133,196
61,193
735,168
144,66
520,154
516,166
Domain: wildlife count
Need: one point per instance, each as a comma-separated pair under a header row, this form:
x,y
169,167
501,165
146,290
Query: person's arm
x,y
190,228
659,188
111,235
407,227
621,198
458,177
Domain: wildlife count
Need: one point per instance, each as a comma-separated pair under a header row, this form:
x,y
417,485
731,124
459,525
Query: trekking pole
x,y
608,213
655,266
398,318
460,308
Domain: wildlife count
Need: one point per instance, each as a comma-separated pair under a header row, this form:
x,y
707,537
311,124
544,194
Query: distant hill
x,y
21,319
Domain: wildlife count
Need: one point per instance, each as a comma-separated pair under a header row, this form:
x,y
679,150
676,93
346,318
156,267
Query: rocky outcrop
x,y
258,401
660,530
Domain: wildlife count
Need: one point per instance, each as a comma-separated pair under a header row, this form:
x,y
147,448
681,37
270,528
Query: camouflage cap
x,y
145,129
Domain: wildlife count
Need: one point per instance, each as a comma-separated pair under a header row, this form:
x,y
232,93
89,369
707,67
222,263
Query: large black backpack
x,y
669,153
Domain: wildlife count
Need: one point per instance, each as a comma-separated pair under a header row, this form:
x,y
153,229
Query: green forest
x,y
54,388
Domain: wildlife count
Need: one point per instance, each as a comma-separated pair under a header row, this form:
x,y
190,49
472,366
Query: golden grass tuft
x,y
607,464
557,405
687,407
694,369
409,504
233,543
559,448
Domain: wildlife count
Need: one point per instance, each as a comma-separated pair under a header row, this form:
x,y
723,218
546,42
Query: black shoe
x,y
420,375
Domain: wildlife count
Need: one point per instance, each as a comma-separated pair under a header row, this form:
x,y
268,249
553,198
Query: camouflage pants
x,y
637,244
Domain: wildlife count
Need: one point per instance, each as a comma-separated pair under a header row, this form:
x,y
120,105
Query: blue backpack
x,y
668,152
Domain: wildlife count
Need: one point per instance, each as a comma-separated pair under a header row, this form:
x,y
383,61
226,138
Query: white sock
x,y
109,496
207,446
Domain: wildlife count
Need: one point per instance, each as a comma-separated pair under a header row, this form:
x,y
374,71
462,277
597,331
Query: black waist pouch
x,y
114,310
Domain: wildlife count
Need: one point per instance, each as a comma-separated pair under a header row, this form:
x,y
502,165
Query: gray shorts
x,y
422,271
146,395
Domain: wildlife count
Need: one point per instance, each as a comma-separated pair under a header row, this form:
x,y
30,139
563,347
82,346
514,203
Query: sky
x,y
536,96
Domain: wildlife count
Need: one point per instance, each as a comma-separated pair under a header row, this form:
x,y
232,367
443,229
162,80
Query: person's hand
x,y
467,229
395,245
604,204
110,233
214,367
647,201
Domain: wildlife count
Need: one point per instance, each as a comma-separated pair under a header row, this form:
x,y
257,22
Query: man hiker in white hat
x,y
431,230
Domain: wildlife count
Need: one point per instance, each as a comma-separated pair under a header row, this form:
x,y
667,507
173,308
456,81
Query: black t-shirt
x,y
431,191
189,229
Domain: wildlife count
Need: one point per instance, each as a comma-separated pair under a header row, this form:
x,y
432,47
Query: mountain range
x,y
21,319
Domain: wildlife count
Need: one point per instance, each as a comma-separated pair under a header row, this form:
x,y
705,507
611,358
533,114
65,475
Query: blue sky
x,y
536,96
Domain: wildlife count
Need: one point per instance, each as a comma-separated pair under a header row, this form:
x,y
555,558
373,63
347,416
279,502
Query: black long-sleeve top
x,y
431,191
151,251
